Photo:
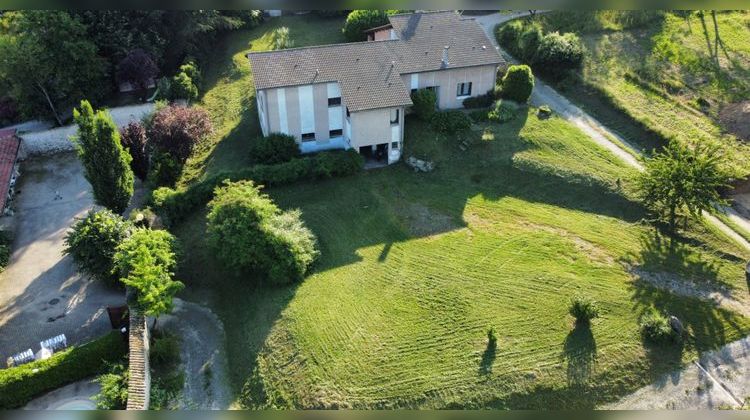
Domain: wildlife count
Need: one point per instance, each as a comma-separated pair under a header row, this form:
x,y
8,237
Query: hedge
x,y
18,385
174,205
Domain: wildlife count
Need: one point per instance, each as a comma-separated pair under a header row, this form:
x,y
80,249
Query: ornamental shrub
x,y
583,309
138,69
248,232
165,170
481,101
18,385
451,121
655,327
358,21
133,138
518,83
173,206
183,87
176,130
508,36
114,388
92,242
274,148
558,53
529,41
425,103
503,111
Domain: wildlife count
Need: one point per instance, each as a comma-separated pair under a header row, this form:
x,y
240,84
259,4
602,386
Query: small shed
x,y
10,144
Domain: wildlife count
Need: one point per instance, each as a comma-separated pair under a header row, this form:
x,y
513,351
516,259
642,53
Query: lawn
x,y
416,267
658,72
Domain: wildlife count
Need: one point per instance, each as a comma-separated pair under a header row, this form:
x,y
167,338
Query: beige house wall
x,y
374,126
481,77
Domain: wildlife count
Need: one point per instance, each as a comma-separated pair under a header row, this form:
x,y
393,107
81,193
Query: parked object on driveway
x,y
21,358
55,343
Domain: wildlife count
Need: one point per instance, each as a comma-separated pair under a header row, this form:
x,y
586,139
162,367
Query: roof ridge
x,y
424,12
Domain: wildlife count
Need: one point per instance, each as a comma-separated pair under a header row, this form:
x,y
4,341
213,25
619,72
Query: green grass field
x,y
415,268
656,70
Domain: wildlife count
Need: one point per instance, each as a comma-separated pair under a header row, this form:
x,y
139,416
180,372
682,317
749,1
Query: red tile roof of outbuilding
x,y
9,144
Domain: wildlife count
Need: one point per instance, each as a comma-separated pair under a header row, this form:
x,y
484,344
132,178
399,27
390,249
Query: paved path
x,y
718,379
76,396
544,94
203,357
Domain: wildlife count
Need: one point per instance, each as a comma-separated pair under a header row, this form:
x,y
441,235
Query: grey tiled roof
x,y
369,72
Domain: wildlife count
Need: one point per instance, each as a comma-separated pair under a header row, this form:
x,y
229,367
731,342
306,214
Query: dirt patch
x,y
719,295
423,221
735,119
594,252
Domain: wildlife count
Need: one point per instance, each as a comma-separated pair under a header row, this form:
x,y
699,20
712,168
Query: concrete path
x,y
203,357
718,379
41,293
600,134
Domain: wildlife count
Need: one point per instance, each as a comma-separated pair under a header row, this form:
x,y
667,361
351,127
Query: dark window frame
x,y
332,102
307,136
339,132
395,145
460,89
398,116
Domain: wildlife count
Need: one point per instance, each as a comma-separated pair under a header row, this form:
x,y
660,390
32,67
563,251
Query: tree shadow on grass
x,y
488,358
579,351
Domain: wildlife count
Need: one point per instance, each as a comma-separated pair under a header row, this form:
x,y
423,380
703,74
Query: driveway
x,y
41,293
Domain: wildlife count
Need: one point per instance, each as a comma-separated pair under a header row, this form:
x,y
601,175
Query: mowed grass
x,y
229,94
656,72
416,267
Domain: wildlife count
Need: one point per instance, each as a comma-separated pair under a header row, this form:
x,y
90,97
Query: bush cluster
x,y
517,83
552,53
248,232
92,242
176,130
134,140
183,85
425,103
481,101
20,384
274,148
656,329
113,394
583,309
358,21
451,121
503,111
173,205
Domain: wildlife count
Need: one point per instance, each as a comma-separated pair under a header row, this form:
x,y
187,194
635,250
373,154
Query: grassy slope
x,y
416,267
673,67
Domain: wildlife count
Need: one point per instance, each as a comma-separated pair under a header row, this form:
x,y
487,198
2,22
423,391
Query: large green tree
x,y
105,161
145,262
683,181
49,62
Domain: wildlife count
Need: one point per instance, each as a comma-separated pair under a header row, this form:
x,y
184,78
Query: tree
x,y
183,87
680,179
176,130
248,232
49,62
106,164
425,101
145,262
138,69
133,137
358,21
92,242
518,83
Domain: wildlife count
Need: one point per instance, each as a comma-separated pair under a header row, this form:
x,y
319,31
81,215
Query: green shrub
x,y
173,206
280,39
479,115
274,148
192,71
5,243
583,309
164,351
248,232
508,36
114,388
183,87
358,21
655,327
92,242
503,111
425,103
164,89
559,53
491,338
165,170
481,101
529,42
451,121
18,385
143,218
518,83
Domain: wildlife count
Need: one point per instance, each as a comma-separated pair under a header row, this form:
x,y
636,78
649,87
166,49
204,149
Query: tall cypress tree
x,y
106,163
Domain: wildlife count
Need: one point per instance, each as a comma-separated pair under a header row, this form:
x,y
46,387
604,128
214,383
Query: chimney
x,y
445,56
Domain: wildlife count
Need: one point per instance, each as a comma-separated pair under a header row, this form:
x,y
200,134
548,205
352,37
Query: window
x,y
335,133
414,90
334,101
394,116
394,145
308,136
463,89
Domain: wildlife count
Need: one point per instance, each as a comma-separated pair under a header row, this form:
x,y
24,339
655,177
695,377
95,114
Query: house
x,y
354,95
